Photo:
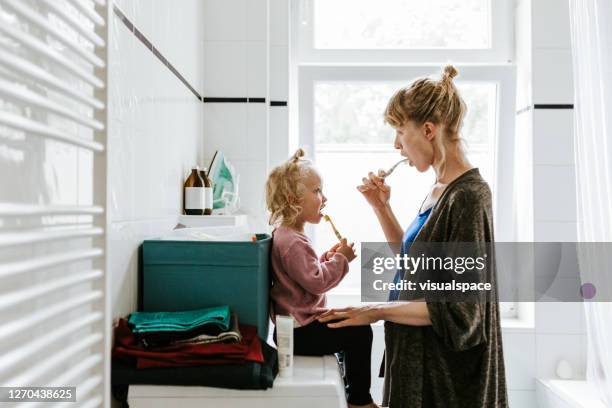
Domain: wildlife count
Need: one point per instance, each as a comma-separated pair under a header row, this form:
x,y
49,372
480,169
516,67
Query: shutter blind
x,y
54,320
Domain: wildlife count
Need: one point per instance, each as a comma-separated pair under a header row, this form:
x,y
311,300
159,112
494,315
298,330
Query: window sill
x,y
517,325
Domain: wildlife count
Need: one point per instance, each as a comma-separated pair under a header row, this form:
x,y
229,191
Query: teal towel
x,y
146,322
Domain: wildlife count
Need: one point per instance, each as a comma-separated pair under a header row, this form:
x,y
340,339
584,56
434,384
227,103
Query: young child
x,y
294,197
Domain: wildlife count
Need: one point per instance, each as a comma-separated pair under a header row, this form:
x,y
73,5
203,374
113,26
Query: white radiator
x,y
54,318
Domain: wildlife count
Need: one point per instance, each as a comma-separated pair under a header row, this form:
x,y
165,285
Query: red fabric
x,y
127,346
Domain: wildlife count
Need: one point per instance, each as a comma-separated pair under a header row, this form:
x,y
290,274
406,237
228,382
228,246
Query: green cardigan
x,y
458,360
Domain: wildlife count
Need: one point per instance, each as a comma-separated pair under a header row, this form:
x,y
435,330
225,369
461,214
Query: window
x,y
341,105
360,31
401,24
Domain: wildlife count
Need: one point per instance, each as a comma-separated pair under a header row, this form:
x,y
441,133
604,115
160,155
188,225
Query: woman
x,y
437,353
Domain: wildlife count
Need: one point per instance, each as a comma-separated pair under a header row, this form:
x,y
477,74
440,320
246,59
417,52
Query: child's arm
x,y
314,275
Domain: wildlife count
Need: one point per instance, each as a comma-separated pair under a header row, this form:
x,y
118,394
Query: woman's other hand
x,y
375,191
349,316
348,250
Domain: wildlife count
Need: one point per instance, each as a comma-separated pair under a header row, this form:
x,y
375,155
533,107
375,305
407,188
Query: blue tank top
x,y
409,236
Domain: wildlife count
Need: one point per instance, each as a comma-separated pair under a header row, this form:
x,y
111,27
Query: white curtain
x,y
591,32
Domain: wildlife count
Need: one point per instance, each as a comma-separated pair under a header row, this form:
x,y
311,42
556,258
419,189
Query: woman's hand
x,y
375,191
350,316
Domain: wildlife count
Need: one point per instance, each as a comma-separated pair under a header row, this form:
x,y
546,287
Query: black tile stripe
x,y
211,99
553,106
545,106
145,41
208,99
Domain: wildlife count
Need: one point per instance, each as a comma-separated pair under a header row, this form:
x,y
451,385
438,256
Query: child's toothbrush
x,y
328,219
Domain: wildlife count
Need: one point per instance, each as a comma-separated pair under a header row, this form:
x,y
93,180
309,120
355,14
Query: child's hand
x,y
347,250
331,252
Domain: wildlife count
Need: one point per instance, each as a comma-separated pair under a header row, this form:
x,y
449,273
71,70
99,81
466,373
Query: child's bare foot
x,y
370,405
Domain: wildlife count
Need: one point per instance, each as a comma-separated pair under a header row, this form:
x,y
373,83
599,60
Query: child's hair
x,y
285,188
430,100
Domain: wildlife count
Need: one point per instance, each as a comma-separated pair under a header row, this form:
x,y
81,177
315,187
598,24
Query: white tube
x,y
284,341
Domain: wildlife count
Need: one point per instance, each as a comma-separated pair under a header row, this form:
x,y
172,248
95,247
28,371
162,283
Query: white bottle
x,y
284,341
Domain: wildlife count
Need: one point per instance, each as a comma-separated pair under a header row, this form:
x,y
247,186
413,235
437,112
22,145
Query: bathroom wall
x,y
155,128
246,91
546,202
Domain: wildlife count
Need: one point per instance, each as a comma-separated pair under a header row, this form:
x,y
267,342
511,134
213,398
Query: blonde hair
x,y
430,100
285,188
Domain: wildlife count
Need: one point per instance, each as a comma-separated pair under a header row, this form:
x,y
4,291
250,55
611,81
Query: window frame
x,y
503,141
500,50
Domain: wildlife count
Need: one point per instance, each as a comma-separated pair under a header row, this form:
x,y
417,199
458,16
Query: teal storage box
x,y
186,275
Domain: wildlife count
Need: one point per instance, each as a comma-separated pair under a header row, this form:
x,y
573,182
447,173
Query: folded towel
x,y
231,336
201,335
147,322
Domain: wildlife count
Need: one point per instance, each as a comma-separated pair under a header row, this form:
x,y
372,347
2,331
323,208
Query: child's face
x,y
415,143
313,199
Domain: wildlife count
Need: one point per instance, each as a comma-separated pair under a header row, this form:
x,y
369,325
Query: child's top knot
x,y
297,155
449,73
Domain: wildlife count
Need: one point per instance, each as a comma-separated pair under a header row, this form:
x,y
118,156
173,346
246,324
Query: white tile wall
x,y
520,358
279,135
225,129
560,318
257,20
225,20
155,133
554,193
552,76
225,69
551,24
238,60
551,348
544,76
556,231
279,22
256,131
522,399
252,180
554,136
279,73
256,69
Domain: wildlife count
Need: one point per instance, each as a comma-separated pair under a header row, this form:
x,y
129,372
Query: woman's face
x,y
313,200
416,144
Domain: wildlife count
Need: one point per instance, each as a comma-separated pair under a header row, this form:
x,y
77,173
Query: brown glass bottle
x,y
208,192
193,194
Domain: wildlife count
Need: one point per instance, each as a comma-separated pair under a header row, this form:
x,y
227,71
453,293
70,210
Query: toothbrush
x,y
388,172
328,219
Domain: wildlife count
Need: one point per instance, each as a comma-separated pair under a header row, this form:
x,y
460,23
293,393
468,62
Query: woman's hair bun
x,y
449,72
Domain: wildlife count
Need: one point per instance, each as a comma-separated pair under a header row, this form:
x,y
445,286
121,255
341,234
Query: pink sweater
x,y
300,279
